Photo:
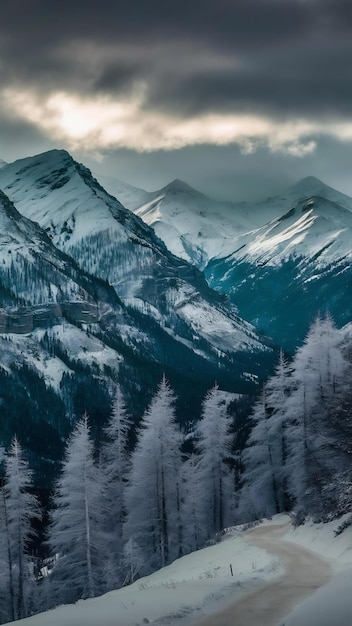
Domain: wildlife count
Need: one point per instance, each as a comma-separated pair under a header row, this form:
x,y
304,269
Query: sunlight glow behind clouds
x,y
102,122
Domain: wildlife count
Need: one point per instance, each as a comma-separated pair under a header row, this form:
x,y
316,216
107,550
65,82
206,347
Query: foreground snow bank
x,y
322,539
331,605
201,583
195,584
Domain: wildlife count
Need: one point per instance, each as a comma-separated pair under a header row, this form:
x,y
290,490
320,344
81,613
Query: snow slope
x,y
331,605
201,583
188,588
49,189
314,227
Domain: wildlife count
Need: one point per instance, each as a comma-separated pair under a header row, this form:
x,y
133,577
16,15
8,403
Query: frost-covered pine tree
x,y
153,493
6,601
319,370
132,560
75,532
193,534
214,442
19,509
264,489
115,466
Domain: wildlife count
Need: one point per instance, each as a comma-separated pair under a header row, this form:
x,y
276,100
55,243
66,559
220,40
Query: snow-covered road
x,y
269,603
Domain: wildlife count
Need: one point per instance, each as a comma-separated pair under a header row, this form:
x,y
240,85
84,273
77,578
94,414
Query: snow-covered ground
x,y
331,605
200,584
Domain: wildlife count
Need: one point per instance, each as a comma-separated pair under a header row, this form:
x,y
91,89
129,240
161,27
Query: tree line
x,y
119,514
298,456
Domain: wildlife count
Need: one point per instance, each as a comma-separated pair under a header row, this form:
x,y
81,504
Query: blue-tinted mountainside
x,y
297,266
280,261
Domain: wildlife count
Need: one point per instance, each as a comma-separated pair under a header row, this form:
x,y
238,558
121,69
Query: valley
x,y
190,355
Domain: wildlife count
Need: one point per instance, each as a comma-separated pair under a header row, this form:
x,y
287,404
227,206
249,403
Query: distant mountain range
x,y
282,261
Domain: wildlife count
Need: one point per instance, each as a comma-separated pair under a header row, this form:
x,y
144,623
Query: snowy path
x,y
266,605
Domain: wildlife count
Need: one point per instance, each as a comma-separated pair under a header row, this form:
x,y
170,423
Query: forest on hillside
x,y
134,502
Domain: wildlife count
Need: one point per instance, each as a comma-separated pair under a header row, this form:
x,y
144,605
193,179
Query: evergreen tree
x,y
115,466
133,561
19,509
299,452
214,445
6,602
153,493
264,480
191,505
75,533
319,371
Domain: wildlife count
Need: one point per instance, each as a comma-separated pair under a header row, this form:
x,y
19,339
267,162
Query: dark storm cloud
x,y
280,56
306,80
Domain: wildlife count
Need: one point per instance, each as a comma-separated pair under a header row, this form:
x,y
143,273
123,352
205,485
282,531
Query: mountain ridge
x,y
295,249
198,229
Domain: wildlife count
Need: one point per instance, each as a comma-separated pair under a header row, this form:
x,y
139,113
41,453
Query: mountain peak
x,y
2,163
177,186
310,185
54,152
53,156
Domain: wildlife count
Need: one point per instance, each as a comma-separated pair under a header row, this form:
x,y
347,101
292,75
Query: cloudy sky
x,y
237,97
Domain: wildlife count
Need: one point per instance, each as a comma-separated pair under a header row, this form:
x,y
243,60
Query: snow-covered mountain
x,y
199,229
296,266
32,270
270,257
313,227
193,226
110,242
2,163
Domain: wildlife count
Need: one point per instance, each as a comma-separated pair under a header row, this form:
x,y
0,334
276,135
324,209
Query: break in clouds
x,y
151,76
